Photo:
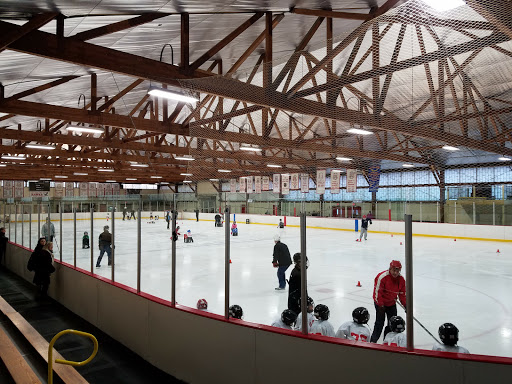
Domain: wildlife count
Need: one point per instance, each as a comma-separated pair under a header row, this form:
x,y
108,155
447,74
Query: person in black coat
x,y
43,268
3,243
281,261
294,285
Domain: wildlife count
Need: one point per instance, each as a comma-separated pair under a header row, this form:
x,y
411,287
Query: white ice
x,y
463,282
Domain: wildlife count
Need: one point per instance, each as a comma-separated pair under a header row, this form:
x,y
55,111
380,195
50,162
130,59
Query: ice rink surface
x,y
464,282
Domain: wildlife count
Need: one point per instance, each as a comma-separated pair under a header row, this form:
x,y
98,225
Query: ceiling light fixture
x,y
503,158
9,157
173,95
250,148
129,178
156,177
186,174
3,165
444,5
80,173
358,131
407,165
105,170
139,165
224,170
214,179
110,181
274,166
44,179
185,158
450,148
343,158
40,146
60,177
75,128
186,181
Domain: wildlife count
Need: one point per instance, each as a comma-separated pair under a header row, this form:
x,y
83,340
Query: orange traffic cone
x,y
358,284
498,251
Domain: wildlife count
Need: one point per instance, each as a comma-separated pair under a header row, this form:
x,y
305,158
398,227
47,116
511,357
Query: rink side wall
x,y
443,230
199,347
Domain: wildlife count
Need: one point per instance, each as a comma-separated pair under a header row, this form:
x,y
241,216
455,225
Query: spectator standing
x,y
43,268
48,230
105,245
388,285
197,214
3,243
132,213
168,218
281,261
125,211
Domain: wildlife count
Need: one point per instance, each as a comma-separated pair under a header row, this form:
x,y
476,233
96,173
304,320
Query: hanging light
x,y
173,95
274,166
407,165
224,170
40,146
249,148
339,158
444,5
358,131
9,157
450,148
185,158
75,128
503,158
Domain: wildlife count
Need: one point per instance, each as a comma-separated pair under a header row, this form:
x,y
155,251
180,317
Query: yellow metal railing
x,y
73,363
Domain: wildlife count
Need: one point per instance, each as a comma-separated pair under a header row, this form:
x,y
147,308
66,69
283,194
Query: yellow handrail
x,y
73,363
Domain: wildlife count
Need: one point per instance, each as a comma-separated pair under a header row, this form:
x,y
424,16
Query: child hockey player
x,y
311,317
364,227
281,224
187,237
286,321
356,330
322,325
396,338
85,240
234,229
449,335
202,304
236,312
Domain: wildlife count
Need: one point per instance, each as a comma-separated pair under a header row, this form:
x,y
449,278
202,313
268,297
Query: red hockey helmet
x,y
395,264
202,304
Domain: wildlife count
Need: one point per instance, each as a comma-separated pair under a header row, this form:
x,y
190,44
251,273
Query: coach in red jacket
x,y
388,285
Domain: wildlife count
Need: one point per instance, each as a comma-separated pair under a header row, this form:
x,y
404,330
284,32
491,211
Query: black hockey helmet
x,y
397,324
360,315
236,312
297,258
289,317
449,334
322,312
310,303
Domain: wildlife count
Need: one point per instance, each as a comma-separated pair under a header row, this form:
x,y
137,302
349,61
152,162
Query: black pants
x,y
380,317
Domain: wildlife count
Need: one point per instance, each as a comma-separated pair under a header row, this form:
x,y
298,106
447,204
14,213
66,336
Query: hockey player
x,y
236,312
396,338
388,284
311,317
281,260
281,224
294,284
364,227
202,304
234,229
356,329
187,237
449,335
85,240
287,320
322,325
218,223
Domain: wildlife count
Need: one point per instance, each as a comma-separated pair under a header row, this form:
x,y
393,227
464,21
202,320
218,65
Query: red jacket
x,y
387,288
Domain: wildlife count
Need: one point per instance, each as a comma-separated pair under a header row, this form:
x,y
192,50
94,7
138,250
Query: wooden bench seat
x,y
18,367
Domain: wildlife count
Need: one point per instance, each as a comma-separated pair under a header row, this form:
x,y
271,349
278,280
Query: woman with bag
x,y
43,267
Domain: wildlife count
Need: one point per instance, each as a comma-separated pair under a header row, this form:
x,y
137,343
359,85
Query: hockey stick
x,y
421,325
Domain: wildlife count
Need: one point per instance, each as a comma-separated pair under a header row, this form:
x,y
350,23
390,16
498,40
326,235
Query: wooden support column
x,y
267,71
375,65
165,103
94,90
185,49
331,93
60,25
440,82
442,193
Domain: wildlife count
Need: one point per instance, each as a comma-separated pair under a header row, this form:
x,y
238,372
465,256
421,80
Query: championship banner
x,y
93,189
108,189
69,187
257,184
84,189
232,185
351,180
18,188
242,184
294,181
59,189
276,183
320,181
115,189
335,181
265,183
285,184
249,184
374,177
100,190
304,183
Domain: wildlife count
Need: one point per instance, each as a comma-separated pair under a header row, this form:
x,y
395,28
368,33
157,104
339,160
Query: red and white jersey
x,y
396,339
353,331
387,288
449,348
322,327
279,324
311,320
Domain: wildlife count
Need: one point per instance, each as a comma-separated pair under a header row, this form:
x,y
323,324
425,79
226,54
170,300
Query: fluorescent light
x,y
224,170
186,158
407,165
140,165
214,179
444,5
359,131
128,178
168,94
75,128
164,183
186,174
274,166
40,146
186,181
503,158
60,177
3,165
343,158
250,149
44,179
111,181
105,170
80,173
156,177
9,157
450,148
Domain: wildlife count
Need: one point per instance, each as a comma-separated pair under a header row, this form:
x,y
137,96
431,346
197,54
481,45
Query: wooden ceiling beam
x,y
330,14
33,24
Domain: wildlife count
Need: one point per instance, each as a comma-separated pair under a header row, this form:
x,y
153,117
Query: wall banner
x,y
242,184
320,181
351,180
304,183
257,184
84,189
18,188
232,185
59,189
285,184
249,184
276,183
265,183
374,177
294,181
335,181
